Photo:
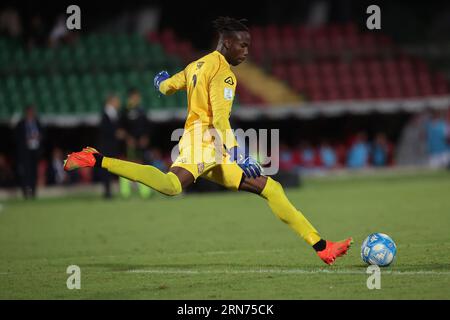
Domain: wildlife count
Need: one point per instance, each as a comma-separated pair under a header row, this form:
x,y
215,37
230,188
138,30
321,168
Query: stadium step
x,y
269,88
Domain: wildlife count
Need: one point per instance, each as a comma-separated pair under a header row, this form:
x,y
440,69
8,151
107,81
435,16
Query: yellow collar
x,y
221,56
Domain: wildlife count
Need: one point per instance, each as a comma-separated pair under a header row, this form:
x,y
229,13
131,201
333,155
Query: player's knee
x,y
174,187
278,188
272,189
172,191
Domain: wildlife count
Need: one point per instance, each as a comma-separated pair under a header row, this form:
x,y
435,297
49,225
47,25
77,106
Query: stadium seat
x,y
322,62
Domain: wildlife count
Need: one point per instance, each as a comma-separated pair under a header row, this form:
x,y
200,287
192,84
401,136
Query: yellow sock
x,y
167,183
274,194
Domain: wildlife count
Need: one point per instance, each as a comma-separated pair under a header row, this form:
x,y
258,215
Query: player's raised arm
x,y
168,85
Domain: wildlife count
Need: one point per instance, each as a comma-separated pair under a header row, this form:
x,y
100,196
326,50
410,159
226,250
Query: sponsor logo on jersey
x,y
229,81
201,167
199,64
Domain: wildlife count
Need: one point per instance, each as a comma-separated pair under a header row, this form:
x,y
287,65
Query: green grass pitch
x,y
229,245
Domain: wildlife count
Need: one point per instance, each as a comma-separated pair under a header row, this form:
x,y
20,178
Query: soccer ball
x,y
378,249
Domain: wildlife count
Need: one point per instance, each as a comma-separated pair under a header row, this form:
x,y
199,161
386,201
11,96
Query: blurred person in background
x,y
437,135
110,136
59,33
358,155
287,161
380,150
328,156
37,35
155,157
55,169
340,149
412,146
305,155
136,125
28,134
10,23
6,173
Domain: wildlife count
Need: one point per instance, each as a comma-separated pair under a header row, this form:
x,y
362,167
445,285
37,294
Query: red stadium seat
x,y
279,70
316,94
347,92
316,60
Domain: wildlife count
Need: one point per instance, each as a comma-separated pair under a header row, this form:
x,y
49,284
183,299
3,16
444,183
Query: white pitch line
x,y
283,271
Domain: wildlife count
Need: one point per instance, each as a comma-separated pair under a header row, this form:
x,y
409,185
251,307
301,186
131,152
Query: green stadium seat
x,y
44,101
51,107
77,78
133,79
64,59
110,60
156,56
77,102
20,61
48,57
36,61
93,103
29,97
103,80
117,79
80,59
6,56
16,101
27,83
87,81
73,82
11,83
42,83
56,84
61,99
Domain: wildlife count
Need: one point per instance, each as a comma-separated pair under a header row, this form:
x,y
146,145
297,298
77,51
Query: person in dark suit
x,y
28,134
110,136
136,126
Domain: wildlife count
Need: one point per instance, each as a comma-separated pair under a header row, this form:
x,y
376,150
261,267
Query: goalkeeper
x,y
208,148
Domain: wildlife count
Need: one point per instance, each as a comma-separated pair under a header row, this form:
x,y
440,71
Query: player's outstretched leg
x,y
273,192
166,183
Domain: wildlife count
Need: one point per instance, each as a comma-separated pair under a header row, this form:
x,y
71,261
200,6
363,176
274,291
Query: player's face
x,y
238,51
135,99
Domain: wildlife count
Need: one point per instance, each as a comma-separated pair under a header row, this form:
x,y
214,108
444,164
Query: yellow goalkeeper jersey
x,y
210,86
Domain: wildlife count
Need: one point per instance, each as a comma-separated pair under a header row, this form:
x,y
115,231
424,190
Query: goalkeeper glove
x,y
159,78
251,167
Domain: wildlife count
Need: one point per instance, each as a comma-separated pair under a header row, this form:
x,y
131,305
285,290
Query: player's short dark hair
x,y
226,25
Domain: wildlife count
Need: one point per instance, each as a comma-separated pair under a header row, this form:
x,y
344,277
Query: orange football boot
x,y
334,250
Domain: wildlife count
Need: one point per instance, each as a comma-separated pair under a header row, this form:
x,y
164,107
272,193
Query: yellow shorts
x,y
206,163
